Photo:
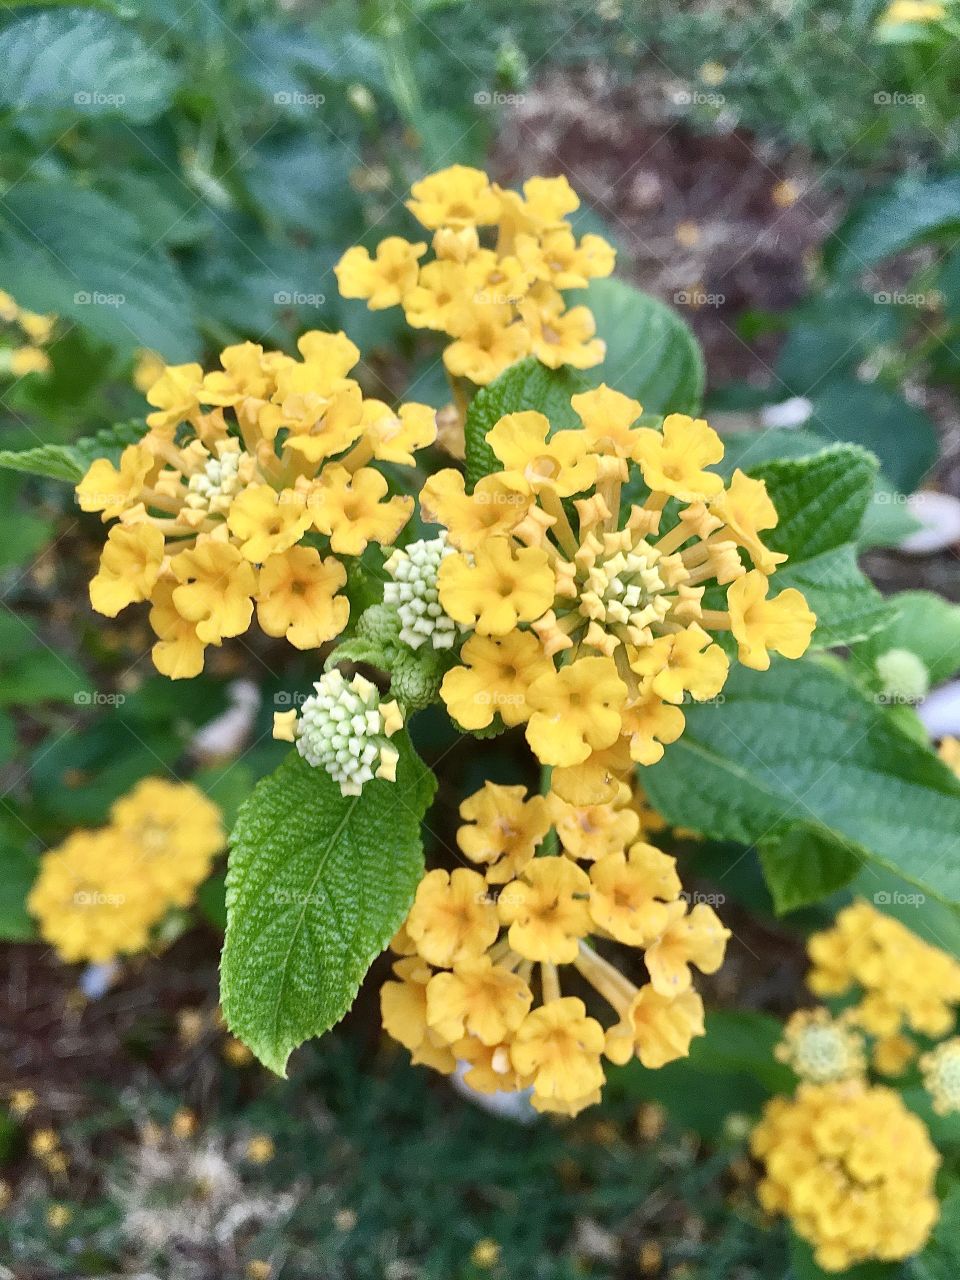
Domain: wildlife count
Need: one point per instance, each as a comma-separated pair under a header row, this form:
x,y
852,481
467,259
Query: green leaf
x,y
70,462
86,64
526,385
894,221
742,1040
902,436
41,675
317,885
67,250
802,744
803,1266
821,501
19,872
806,864
652,354
926,625
940,1260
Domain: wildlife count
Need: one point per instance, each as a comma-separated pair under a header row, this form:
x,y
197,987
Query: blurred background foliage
x,y
176,176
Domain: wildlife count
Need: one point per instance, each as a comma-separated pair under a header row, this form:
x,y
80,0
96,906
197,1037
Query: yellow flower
x,y
403,1007
452,917
129,568
171,833
91,900
608,419
559,1047
504,829
819,1048
175,396
593,830
178,652
503,586
112,491
629,892
698,938
396,437
497,505
557,336
941,1076
216,584
454,197
351,511
575,709
684,663
745,509
267,522
673,461
561,463
912,11
655,1027
547,910
486,343
383,280
436,299
784,624
852,1169
477,998
488,1067
494,680
558,259
893,1054
297,597
24,360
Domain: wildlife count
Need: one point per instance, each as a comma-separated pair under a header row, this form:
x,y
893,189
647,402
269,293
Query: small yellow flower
x,y
44,1142
629,892
912,11
403,1007
396,437
485,1254
784,624
494,680
486,343
58,1217
503,586
683,663
175,396
351,511
655,1027
478,998
260,1149
437,297
455,197
561,462
696,938
383,280
297,597
893,1054
266,522
216,585
129,568
558,336
575,709
559,1047
673,461
113,490
592,831
172,833
497,505
22,1101
504,829
452,917
608,419
745,509
178,652
547,910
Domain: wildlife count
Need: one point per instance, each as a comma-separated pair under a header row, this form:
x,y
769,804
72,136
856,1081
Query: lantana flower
x,y
484,952
495,284
606,609
252,484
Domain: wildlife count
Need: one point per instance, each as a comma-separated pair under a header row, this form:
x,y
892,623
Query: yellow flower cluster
x,y
593,631
820,1048
495,283
851,1168
99,894
479,946
905,982
28,357
217,513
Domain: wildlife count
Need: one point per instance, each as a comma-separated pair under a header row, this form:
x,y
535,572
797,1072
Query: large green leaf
x,y
902,436
526,385
652,353
940,1260
70,462
317,885
86,63
70,251
926,625
821,500
803,745
894,221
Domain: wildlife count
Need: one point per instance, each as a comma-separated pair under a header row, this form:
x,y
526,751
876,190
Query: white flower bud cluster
x,y
214,488
413,593
345,728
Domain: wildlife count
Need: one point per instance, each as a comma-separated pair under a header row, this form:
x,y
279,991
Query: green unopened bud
x,y
415,678
415,596
345,729
903,676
